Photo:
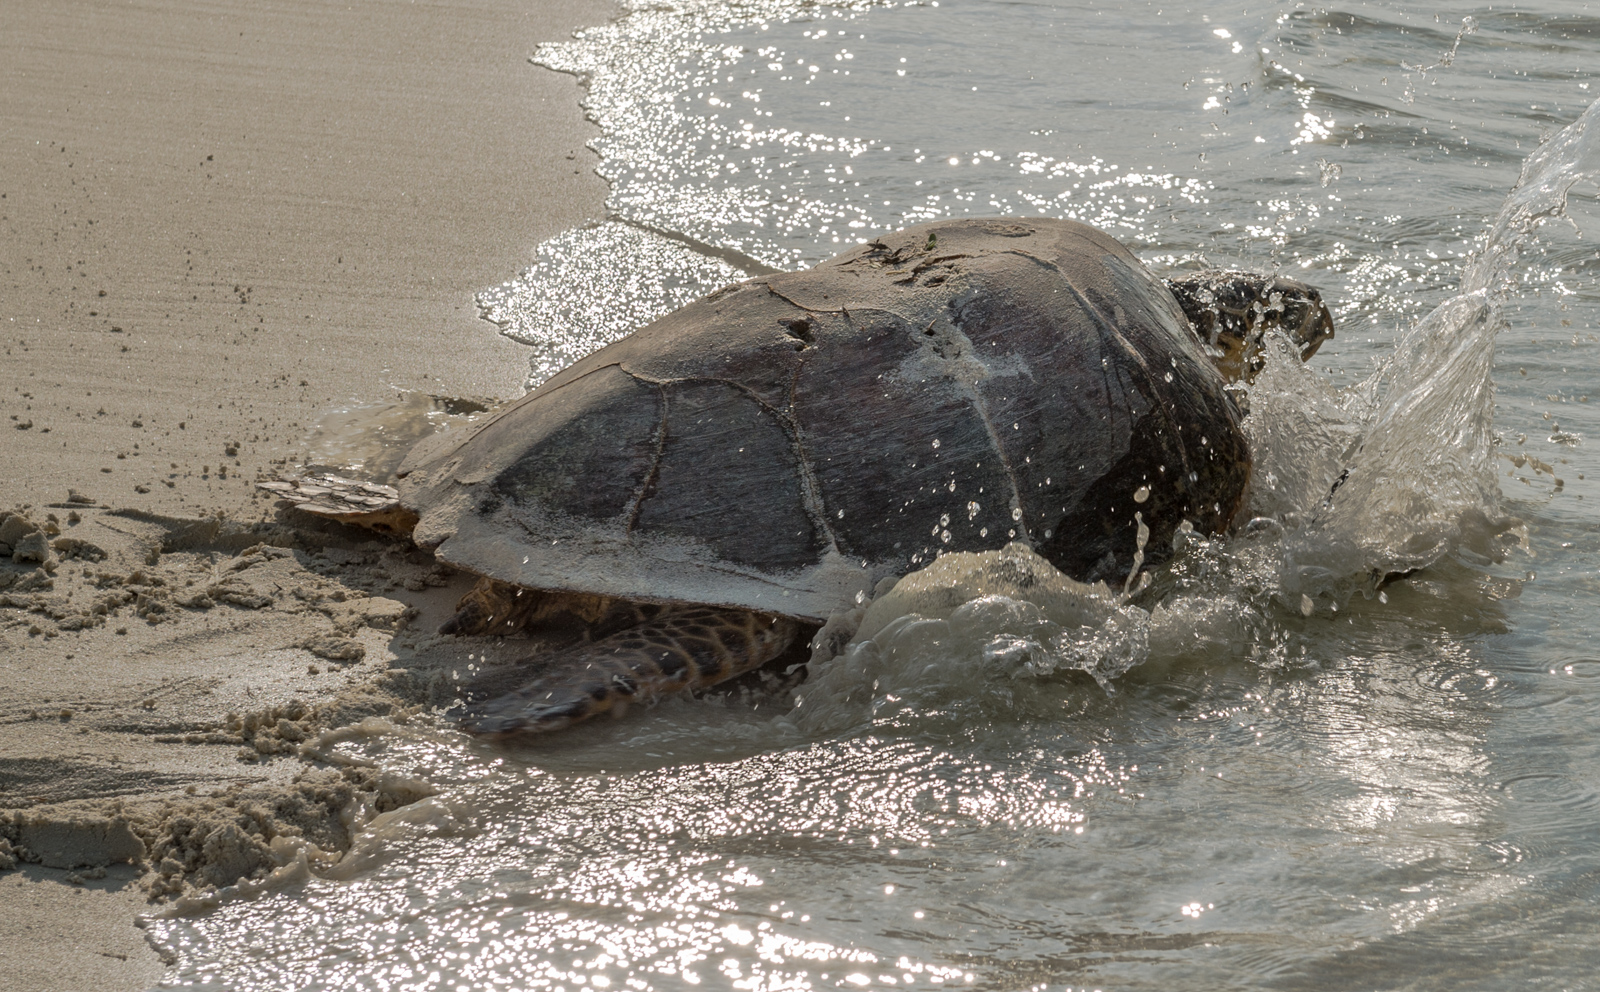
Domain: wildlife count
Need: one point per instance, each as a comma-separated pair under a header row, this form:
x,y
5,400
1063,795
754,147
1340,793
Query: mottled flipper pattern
x,y
681,651
499,608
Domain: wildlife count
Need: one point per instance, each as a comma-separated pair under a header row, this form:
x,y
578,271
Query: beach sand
x,y
218,222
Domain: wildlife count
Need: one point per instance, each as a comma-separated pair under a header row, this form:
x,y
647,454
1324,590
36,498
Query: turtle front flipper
x,y
681,651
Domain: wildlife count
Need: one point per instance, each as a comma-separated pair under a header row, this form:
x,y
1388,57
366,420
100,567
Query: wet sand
x,y
217,223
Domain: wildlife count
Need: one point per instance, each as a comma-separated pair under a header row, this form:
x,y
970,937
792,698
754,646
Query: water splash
x,y
1469,25
969,640
1420,482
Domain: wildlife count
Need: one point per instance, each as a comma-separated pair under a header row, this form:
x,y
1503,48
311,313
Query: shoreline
x,y
215,227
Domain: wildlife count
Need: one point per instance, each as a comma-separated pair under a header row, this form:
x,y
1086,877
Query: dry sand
x,y
218,222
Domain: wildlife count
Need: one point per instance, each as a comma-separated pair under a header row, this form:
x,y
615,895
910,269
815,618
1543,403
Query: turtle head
x,y
1231,312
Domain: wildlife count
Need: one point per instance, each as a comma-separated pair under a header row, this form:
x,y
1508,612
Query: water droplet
x,y
1305,605
972,510
1168,377
840,514
944,520
861,597
983,532
1141,494
1016,513
944,536
936,442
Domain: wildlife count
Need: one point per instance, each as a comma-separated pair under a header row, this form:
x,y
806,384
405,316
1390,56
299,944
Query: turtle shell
x,y
784,443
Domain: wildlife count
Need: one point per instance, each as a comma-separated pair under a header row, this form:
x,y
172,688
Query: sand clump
x,y
245,834
191,845
64,840
301,729
320,617
277,570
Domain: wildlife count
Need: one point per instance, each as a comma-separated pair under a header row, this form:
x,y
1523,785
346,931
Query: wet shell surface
x,y
782,444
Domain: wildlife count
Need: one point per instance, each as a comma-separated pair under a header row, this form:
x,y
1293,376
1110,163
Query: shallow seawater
x,y
1266,771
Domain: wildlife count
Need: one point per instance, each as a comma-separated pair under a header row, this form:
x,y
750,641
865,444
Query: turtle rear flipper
x,y
349,501
682,651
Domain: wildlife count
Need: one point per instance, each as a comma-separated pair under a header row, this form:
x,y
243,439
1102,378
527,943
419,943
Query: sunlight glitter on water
x,y
796,189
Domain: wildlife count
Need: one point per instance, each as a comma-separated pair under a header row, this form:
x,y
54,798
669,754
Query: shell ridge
x,y
924,266
995,442
976,398
1109,329
810,489
651,476
792,303
708,380
576,372
843,310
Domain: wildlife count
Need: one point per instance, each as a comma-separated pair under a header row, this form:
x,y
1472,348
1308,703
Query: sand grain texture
x,y
217,223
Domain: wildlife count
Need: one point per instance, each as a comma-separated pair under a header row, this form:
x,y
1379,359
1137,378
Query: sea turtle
x,y
705,489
